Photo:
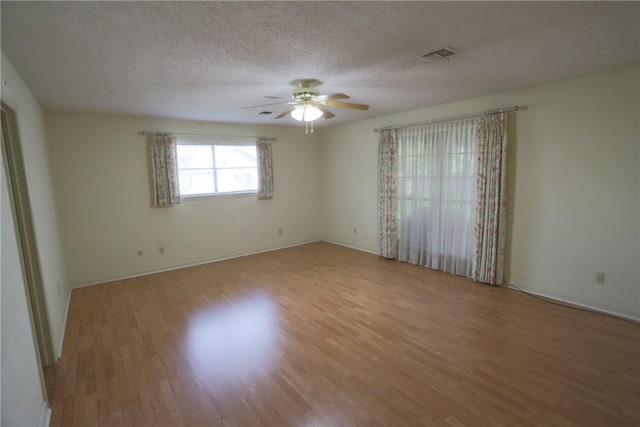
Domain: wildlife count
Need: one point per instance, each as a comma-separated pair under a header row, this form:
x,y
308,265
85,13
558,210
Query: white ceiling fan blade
x,y
266,105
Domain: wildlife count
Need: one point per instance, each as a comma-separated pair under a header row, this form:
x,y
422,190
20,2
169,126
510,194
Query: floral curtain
x,y
491,199
164,161
265,169
387,195
437,195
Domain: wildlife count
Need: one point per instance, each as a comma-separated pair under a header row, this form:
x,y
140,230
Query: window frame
x,y
212,143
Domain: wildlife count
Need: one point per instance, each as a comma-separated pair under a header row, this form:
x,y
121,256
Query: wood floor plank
x,y
324,335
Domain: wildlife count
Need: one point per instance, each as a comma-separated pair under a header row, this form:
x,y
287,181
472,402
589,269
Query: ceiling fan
x,y
307,104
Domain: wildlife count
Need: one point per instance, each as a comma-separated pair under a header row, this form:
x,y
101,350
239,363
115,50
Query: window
x,y
437,195
208,168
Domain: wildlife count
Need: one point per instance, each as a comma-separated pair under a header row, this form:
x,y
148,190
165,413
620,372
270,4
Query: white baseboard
x,y
193,264
64,324
45,418
517,287
351,247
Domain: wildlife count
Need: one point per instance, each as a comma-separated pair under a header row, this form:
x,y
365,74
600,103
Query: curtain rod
x,y
151,132
450,119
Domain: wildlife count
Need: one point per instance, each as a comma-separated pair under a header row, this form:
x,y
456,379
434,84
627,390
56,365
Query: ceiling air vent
x,y
442,53
265,113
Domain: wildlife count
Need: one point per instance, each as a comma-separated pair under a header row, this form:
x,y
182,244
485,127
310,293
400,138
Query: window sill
x,y
218,195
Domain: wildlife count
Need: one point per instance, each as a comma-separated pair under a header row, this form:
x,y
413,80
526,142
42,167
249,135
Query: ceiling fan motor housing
x,y
305,94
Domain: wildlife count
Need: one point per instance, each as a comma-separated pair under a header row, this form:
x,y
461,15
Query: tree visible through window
x,y
216,168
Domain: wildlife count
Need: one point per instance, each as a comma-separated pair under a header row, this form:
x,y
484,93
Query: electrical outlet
x,y
161,250
600,278
355,230
280,231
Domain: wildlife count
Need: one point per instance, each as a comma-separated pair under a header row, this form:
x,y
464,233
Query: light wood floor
x,y
321,335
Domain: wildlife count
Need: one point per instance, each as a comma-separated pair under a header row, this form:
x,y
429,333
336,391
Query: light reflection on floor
x,y
234,340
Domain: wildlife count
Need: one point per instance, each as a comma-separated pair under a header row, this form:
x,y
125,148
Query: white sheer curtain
x,y
437,195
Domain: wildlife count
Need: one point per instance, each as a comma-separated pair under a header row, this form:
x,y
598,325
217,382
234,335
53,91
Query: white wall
x,y
21,392
103,189
573,191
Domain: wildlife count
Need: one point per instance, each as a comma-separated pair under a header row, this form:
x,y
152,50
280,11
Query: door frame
x,y
25,233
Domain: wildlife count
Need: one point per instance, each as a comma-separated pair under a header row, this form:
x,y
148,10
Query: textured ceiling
x,y
207,60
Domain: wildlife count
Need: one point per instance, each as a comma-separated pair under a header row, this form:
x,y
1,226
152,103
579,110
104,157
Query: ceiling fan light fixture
x,y
307,104
306,113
